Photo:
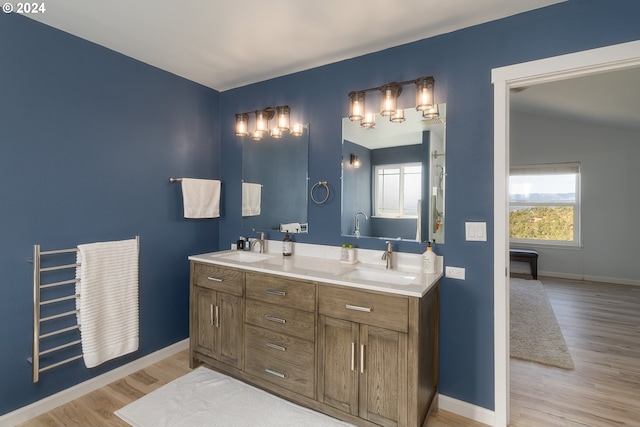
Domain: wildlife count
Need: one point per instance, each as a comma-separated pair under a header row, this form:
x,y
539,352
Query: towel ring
x,y
316,186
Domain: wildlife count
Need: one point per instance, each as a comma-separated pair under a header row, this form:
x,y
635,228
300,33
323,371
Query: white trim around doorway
x,y
616,57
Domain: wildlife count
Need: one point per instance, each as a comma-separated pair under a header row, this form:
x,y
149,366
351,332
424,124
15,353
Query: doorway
x,y
516,76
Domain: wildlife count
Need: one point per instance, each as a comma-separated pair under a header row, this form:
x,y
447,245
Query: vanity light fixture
x,y
354,161
261,120
398,116
275,133
297,130
424,93
389,94
356,110
431,113
242,124
369,120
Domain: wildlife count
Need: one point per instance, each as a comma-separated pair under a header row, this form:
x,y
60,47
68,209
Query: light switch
x,y
476,231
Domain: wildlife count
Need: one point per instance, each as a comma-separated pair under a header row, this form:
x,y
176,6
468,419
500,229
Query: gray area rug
x,y
535,334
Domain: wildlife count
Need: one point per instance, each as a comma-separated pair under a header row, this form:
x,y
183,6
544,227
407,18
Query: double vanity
x,y
355,341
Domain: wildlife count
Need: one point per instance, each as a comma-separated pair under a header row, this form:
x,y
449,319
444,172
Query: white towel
x,y
201,198
108,302
291,227
251,199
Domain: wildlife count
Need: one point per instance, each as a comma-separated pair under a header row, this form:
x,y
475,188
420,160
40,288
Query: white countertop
x,y
329,270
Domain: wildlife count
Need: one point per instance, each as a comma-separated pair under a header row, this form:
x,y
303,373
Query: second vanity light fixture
x,y
389,94
261,123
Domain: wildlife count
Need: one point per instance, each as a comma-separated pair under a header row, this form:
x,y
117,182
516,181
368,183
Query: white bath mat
x,y
207,398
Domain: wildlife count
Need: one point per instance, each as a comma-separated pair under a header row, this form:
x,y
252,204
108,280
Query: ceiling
x,y
228,44
610,99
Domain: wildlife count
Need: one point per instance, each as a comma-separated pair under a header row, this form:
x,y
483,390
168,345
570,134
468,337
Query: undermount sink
x,y
244,257
383,276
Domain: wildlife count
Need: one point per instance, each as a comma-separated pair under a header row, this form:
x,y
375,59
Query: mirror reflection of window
x,y
397,190
400,184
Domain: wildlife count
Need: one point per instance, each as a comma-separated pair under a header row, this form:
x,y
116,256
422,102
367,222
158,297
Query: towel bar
x,y
38,303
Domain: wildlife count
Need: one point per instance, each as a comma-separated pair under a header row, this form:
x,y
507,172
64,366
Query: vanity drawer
x,y
278,290
218,278
266,343
291,376
281,319
384,310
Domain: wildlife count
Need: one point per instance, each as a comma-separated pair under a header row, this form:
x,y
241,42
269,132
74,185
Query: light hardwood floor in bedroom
x,y
601,325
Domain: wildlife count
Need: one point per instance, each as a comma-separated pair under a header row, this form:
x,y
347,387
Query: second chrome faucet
x,y
388,255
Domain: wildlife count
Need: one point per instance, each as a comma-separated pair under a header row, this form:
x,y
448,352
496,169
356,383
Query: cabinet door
x,y
230,329
383,376
204,321
338,364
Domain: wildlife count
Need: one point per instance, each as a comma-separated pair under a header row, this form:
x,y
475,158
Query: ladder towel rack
x,y
66,294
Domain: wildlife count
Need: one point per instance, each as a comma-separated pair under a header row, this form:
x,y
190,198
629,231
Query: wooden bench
x,y
526,255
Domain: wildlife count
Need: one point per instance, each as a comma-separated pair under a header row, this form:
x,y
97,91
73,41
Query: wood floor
x,y
601,325
97,408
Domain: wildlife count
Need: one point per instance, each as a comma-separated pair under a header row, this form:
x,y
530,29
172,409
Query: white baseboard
x,y
590,278
467,410
48,403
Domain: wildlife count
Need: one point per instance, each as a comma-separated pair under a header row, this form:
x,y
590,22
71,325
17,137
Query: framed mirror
x,y
274,183
393,178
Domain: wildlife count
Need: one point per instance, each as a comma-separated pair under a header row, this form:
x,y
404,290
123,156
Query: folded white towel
x,y
108,302
201,198
251,199
292,227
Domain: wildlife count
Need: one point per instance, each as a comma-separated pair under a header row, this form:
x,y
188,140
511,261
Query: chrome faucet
x,y
387,255
356,232
260,241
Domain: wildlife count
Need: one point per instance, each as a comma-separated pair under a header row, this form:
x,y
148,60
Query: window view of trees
x,y
545,203
542,223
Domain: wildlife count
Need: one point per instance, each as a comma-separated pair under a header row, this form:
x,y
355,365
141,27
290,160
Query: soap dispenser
x,y
429,260
287,245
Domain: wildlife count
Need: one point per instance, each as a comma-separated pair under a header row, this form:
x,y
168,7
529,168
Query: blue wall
x,y
461,63
88,141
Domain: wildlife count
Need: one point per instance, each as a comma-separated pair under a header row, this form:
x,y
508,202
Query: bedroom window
x,y
397,190
544,204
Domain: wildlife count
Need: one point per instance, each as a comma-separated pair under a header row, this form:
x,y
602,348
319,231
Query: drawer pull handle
x,y
362,358
214,279
275,319
276,292
276,373
353,356
276,346
357,308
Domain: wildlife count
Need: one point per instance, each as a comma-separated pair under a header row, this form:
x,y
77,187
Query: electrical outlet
x,y
454,272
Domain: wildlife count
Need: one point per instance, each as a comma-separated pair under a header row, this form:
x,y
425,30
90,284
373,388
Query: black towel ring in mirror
x,y
316,186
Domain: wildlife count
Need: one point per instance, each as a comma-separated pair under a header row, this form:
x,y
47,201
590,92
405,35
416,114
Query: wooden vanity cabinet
x,y
376,354
217,314
369,358
280,332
